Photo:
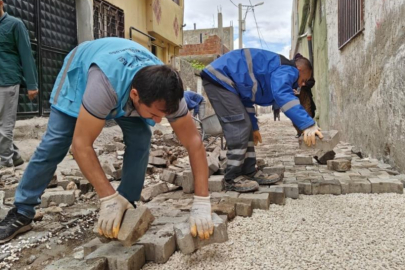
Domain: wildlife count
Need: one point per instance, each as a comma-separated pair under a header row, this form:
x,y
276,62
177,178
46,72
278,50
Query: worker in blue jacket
x,y
111,78
195,102
234,83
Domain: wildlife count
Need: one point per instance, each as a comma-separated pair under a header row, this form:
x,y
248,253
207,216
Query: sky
x,y
273,19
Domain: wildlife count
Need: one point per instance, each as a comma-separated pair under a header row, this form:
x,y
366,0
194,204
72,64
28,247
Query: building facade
x,y
358,52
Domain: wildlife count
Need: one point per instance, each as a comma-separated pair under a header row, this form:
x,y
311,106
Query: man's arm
x,y
200,216
27,60
282,80
87,130
188,135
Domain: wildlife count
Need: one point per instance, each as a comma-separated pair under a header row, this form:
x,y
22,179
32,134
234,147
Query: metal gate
x,y
53,33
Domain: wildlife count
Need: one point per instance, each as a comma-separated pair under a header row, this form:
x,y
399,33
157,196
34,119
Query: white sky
x,y
273,19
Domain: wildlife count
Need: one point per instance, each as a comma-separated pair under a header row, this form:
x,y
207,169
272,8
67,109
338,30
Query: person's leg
x,y
137,136
8,117
237,130
42,166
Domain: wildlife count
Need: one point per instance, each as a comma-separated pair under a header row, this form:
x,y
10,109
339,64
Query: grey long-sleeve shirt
x,y
16,59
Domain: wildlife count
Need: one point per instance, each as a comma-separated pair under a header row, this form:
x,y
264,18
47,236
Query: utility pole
x,y
242,26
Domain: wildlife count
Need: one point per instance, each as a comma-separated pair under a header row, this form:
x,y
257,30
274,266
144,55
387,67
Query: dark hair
x,y
304,62
155,83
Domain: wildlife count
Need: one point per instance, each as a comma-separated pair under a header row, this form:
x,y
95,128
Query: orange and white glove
x,y
309,134
112,210
200,218
257,137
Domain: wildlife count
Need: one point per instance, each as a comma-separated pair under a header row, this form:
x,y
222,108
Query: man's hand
x,y
111,211
309,134
296,92
32,94
200,218
257,137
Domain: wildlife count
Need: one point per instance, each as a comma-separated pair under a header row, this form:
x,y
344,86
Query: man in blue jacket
x,y
17,66
111,78
196,103
236,81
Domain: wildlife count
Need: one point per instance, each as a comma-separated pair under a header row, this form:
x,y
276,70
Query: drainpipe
x,y
308,26
311,17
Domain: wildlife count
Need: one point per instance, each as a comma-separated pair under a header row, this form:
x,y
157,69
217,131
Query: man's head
x,y
304,67
156,92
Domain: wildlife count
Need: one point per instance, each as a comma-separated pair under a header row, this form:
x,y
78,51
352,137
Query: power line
x,y
233,3
257,27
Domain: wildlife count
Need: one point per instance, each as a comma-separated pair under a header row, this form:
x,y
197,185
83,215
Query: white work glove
x,y
309,134
112,209
200,218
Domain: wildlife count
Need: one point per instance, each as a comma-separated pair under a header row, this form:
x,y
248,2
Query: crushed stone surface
x,y
356,231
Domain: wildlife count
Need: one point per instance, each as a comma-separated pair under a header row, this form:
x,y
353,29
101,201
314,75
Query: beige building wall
x,y
162,19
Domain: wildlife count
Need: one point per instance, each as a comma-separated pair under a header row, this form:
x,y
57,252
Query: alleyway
x,y
355,231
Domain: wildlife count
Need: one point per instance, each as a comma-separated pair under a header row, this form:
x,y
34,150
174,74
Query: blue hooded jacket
x,y
193,101
260,77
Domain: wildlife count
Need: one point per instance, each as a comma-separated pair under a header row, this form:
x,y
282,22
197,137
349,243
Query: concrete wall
x,y
366,81
193,36
84,10
321,62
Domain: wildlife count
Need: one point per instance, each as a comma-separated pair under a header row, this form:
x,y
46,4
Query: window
x,y
108,20
351,22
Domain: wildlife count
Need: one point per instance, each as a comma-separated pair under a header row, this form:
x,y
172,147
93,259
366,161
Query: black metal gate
x,y
53,33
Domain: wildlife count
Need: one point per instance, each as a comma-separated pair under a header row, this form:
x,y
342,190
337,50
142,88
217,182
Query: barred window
x,y
351,20
108,20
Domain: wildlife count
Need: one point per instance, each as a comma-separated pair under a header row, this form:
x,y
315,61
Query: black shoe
x,y
12,225
241,184
18,161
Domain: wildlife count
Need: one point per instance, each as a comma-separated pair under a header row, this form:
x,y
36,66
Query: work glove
x,y
309,134
257,137
112,209
200,218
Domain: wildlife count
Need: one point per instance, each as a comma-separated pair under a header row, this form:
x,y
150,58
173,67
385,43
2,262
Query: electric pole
x,y
242,26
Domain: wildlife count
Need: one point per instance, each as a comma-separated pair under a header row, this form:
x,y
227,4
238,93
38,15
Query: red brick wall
x,y
212,45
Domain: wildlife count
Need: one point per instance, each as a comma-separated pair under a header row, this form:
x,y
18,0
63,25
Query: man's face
x,y
304,76
1,6
156,111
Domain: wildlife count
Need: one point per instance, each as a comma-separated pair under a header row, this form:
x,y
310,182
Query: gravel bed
x,y
357,231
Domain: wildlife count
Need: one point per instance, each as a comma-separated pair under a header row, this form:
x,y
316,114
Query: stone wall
x,y
366,81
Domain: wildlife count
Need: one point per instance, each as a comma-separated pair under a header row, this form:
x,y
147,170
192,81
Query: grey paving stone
x,y
216,183
134,224
386,186
188,244
159,244
320,187
58,197
120,257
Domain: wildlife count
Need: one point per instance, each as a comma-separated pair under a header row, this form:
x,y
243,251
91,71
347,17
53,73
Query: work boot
x,y
17,161
263,178
13,224
241,184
